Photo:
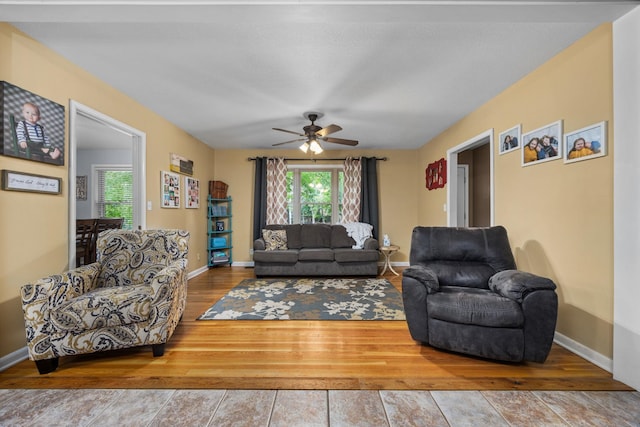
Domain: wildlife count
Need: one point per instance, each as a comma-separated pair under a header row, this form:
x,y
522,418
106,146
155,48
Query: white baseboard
x,y
585,352
197,272
13,358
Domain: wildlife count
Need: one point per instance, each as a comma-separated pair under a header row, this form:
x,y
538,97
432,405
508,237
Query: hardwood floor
x,y
336,355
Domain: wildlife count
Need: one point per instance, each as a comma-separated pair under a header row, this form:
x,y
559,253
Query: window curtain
x,y
369,194
260,197
276,191
352,190
269,194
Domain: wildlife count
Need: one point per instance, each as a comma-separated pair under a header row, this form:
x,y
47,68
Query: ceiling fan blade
x,y
289,142
351,142
328,130
289,131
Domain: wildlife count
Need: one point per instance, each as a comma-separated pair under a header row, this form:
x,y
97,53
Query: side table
x,y
388,251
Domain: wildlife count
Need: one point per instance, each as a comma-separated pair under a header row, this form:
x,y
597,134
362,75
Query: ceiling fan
x,y
314,133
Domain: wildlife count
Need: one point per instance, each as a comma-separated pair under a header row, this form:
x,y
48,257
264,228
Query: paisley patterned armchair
x,y
133,295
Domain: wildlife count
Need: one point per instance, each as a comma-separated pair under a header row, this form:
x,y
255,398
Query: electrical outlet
x,y
198,256
250,251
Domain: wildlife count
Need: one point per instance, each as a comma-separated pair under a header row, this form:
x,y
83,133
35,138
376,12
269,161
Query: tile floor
x,y
307,408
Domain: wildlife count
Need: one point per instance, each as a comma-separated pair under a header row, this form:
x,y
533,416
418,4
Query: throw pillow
x,y
274,239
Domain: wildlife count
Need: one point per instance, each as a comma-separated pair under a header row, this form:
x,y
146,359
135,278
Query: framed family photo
x,y
542,144
32,127
170,184
586,143
192,199
510,139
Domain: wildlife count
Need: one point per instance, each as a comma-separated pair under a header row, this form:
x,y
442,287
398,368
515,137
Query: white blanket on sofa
x,y
358,231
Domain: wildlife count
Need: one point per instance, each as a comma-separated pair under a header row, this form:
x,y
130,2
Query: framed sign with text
x,y
20,181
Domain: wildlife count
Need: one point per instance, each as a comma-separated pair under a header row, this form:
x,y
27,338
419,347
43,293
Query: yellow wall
x,y
34,227
559,216
398,181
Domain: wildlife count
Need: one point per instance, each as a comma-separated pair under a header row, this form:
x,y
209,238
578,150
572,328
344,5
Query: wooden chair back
x,y
85,231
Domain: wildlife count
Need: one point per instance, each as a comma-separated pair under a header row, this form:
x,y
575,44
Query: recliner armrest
x,y
424,275
516,284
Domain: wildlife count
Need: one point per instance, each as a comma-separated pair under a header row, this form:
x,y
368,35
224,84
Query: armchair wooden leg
x,y
158,349
46,366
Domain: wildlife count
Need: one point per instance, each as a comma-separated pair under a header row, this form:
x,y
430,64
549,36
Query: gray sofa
x,y
463,293
316,250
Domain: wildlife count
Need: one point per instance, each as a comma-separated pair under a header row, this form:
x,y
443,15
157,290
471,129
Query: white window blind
x,y
114,193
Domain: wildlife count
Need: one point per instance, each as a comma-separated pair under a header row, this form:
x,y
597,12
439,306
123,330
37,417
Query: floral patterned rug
x,y
309,299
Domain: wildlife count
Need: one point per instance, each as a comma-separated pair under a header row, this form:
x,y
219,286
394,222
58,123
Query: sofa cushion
x,y
275,240
289,256
340,238
104,308
474,307
293,233
356,255
315,254
316,235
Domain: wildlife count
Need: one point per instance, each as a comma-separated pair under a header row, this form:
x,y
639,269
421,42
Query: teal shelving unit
x,y
220,231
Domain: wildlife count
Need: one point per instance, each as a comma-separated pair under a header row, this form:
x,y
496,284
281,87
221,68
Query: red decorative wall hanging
x,y
436,174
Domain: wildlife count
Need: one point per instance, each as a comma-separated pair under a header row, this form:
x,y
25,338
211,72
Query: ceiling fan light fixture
x,y
305,147
315,147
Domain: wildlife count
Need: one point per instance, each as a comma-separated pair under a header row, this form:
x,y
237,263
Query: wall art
x,y
32,127
586,143
180,164
170,184
510,139
20,181
436,174
542,144
192,190
81,187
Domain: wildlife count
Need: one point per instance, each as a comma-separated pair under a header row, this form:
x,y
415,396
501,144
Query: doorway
x,y
86,124
454,217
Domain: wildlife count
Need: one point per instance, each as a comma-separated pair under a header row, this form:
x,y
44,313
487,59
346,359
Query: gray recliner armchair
x,y
462,293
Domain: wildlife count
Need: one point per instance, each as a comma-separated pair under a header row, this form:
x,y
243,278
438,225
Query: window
x,y
314,194
114,193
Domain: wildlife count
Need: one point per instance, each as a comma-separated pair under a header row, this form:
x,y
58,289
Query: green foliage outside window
x,y
316,201
118,196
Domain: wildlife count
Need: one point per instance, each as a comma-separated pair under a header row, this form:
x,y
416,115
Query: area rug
x,y
309,299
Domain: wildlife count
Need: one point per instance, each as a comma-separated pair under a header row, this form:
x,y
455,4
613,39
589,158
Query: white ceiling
x,y
393,74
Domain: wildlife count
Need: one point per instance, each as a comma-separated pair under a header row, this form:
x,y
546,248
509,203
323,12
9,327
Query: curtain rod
x,y
384,159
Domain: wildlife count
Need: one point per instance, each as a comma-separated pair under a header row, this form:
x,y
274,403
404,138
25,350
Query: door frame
x,y
138,152
485,137
465,187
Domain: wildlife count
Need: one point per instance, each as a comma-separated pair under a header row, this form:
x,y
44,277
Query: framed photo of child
x,y
586,143
542,144
32,127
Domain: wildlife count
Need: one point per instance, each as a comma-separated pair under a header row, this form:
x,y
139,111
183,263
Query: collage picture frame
x,y
192,193
170,184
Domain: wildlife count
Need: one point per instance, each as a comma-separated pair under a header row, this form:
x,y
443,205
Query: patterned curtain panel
x,y
352,190
276,191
